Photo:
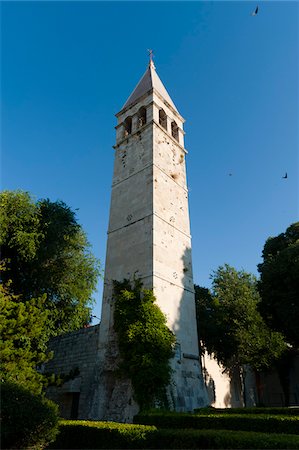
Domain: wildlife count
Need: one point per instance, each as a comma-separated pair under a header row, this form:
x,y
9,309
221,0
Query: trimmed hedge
x,y
100,435
294,411
250,422
81,434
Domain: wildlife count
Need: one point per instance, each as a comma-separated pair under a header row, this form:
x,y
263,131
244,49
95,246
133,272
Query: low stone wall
x,y
74,351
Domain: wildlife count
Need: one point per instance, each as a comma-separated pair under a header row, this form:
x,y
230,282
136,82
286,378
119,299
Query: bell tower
x,y
149,238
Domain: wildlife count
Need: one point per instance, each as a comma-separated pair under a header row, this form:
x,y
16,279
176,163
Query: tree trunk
x,y
259,387
283,367
243,378
284,378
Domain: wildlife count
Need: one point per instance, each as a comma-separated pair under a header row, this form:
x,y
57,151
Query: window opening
x,y
141,117
163,119
128,126
175,130
75,405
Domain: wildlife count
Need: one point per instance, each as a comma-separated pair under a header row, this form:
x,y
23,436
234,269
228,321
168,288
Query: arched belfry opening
x,y
175,130
128,126
163,118
141,117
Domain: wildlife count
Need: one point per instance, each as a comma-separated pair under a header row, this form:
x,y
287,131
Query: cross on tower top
x,y
151,55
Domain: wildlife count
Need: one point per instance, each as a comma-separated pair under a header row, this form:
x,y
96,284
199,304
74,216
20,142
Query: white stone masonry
x,y
149,238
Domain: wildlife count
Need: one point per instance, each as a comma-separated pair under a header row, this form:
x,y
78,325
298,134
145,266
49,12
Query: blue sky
x,y
68,67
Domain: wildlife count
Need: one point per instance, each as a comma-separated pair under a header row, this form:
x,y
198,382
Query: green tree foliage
x,y
145,342
27,420
230,325
24,335
279,283
46,252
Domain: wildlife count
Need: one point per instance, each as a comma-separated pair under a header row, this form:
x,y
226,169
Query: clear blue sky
x,y
67,68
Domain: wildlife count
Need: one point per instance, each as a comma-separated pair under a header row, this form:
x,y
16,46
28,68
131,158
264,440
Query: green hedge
x,y
82,434
100,435
250,422
254,410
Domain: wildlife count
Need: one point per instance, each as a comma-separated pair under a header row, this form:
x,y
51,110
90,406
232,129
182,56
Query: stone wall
x,y
74,351
224,388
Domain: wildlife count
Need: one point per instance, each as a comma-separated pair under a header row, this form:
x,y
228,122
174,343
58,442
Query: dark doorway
x,y
75,405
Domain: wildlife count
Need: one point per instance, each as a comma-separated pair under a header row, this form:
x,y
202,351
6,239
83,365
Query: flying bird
x,y
255,12
286,175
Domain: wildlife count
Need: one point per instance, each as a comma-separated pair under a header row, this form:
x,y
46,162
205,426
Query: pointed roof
x,y
150,80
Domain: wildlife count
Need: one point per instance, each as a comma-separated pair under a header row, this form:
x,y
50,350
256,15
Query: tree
x,y
230,325
24,335
145,342
47,255
279,283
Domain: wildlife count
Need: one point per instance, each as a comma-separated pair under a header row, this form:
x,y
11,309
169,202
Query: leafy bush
x,y
101,435
28,420
145,342
250,422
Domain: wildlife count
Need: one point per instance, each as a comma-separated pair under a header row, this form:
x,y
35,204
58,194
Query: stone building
x,y
148,238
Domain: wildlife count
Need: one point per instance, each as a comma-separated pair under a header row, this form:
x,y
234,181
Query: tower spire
x,y
151,58
150,80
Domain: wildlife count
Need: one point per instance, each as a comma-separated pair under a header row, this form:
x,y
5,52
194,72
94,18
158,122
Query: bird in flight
x,y
255,12
286,175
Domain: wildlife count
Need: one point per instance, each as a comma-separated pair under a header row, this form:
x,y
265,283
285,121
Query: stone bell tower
x,y
149,238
